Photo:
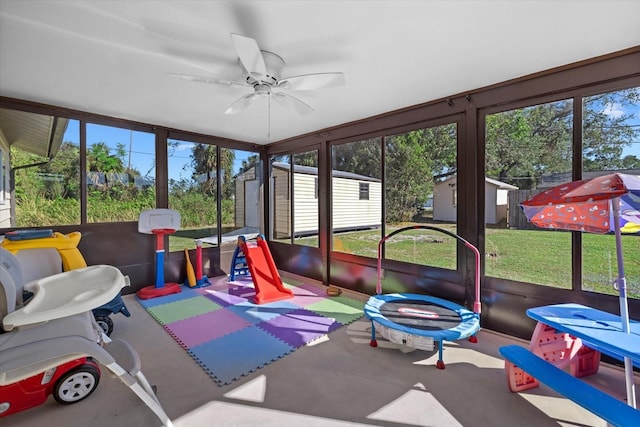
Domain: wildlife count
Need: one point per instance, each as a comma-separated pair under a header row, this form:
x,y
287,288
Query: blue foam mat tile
x,y
237,354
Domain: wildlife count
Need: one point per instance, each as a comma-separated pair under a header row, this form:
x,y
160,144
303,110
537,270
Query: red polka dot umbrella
x,y
598,205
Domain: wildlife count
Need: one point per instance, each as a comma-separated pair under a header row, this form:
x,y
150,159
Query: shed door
x,y
251,201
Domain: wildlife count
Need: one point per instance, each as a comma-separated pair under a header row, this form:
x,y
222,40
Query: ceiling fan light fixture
x,y
262,90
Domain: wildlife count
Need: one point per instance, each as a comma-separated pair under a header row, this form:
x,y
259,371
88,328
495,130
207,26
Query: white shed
x,y
357,200
445,200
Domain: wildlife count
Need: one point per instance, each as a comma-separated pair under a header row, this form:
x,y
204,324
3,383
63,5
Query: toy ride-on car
x,y
69,383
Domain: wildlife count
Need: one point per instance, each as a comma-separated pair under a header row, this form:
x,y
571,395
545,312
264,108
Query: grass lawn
x,y
535,256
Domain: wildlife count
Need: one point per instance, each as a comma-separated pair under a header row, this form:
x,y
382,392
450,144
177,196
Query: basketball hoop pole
x,y
160,233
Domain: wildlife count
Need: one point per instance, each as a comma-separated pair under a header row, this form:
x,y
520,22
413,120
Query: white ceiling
x,y
111,57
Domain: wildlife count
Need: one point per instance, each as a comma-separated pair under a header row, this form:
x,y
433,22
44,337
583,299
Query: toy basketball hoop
x,y
159,222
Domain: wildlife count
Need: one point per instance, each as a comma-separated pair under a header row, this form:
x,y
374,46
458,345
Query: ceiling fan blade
x,y
201,79
312,81
250,56
241,104
287,101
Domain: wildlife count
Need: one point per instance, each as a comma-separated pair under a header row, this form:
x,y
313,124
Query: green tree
x,y
607,133
360,157
309,158
204,160
100,159
523,144
28,184
412,161
64,168
249,162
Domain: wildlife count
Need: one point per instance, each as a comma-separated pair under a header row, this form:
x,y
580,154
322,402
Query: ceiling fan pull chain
x,y
269,119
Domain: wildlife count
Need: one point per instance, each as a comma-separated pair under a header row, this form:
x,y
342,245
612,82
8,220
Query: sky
x,y
140,148
617,110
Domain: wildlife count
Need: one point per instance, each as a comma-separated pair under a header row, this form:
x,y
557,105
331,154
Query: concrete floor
x,y
339,381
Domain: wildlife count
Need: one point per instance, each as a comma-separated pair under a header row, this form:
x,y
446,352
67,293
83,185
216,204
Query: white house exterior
x,y
445,198
34,133
5,193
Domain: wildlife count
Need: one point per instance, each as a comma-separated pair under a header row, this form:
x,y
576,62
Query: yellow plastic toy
x,y
66,244
72,259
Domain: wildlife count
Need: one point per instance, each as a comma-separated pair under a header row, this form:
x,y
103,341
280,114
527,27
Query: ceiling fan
x,y
262,71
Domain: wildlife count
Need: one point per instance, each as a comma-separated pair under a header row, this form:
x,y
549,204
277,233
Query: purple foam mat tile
x,y
299,327
242,280
224,298
153,302
239,353
255,313
196,330
245,292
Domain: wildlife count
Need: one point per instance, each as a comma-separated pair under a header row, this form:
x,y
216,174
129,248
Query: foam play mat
x,y
229,336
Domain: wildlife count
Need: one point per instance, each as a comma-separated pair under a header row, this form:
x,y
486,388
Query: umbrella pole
x,y
621,285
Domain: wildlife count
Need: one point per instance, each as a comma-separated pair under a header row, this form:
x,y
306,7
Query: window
x,y
280,209
241,189
305,198
47,172
120,173
192,192
454,198
611,143
527,150
364,191
294,191
420,166
356,220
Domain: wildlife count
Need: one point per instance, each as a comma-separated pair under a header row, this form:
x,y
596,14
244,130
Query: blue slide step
x,y
607,407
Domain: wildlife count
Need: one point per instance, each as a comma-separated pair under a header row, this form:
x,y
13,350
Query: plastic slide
x,y
264,273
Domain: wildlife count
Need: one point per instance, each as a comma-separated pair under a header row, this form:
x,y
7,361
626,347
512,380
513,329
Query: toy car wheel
x,y
76,384
105,323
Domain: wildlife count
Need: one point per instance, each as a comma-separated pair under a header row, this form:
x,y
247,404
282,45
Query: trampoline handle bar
x,y
476,304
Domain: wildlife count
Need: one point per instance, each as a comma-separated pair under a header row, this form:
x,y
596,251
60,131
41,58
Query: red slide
x,y
264,273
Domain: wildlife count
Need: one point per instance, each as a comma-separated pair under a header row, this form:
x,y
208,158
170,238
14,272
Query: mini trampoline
x,y
419,321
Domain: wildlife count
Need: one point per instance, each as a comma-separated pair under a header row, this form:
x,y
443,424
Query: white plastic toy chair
x,y
56,326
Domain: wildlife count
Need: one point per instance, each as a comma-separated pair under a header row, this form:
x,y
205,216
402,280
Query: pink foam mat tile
x,y
196,330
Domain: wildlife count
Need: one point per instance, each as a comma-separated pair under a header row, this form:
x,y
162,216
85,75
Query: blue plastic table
x,y
597,329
